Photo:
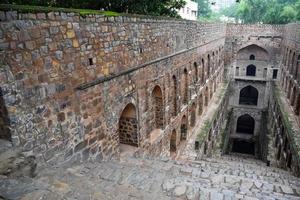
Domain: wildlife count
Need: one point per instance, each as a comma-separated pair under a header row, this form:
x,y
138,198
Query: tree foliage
x,y
265,11
204,10
146,7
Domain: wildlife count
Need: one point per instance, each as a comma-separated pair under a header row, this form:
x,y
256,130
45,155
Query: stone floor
x,y
230,177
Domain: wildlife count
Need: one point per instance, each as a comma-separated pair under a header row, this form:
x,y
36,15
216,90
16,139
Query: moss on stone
x,y
41,9
203,132
286,120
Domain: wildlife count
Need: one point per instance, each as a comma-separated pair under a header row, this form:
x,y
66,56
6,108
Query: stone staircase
x,y
228,177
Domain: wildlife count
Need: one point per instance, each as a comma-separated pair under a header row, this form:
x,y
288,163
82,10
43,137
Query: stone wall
x,y
283,133
66,79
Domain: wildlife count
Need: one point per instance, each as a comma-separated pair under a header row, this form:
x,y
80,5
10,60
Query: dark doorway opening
x,y
251,70
245,124
248,96
4,120
275,72
252,57
243,147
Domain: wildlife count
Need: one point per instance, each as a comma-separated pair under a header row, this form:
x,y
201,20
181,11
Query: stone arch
x,y
248,96
206,96
252,57
278,155
245,124
208,65
260,53
213,61
211,92
289,89
200,107
174,93
297,106
173,140
5,133
292,63
158,106
183,128
205,148
297,68
196,72
288,58
193,114
251,70
128,126
185,87
203,71
293,96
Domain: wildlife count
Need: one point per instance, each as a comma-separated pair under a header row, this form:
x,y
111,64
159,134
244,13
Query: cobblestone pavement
x,y
230,177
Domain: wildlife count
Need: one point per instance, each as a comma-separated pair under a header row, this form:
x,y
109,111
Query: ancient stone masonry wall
x,y
211,136
66,79
284,145
290,66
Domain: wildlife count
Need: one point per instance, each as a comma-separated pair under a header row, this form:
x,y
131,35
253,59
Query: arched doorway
x,y
157,99
251,70
174,103
206,96
128,126
200,108
173,147
245,124
193,115
5,133
203,71
248,96
183,128
185,87
293,96
205,148
196,72
208,66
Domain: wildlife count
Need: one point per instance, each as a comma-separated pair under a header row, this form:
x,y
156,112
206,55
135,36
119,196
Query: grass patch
x,y
203,132
42,9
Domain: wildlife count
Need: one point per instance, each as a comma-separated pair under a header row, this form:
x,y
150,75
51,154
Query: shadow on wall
x,y
4,120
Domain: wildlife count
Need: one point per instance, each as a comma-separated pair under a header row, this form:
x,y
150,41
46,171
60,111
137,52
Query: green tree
x,y
204,10
265,11
145,7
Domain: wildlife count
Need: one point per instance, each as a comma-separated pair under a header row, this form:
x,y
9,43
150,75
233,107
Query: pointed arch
x,y
185,86
173,140
200,107
158,107
4,120
206,96
208,66
193,115
245,124
251,70
258,52
128,126
248,95
203,71
183,128
174,98
195,72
